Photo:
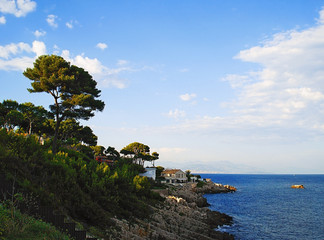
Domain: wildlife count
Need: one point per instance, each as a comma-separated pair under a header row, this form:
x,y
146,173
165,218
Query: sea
x,y
266,207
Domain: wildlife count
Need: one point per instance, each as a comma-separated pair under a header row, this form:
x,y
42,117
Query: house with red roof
x,y
174,176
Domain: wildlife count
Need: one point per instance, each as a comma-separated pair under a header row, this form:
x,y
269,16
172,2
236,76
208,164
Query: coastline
x,y
183,215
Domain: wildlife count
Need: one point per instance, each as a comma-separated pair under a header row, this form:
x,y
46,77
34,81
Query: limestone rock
x,y
183,215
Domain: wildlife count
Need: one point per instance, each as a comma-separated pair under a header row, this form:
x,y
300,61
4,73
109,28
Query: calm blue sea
x,y
265,207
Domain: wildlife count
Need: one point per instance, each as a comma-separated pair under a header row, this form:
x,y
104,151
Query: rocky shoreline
x,y
183,215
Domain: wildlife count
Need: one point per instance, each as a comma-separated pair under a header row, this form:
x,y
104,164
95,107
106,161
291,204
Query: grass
x,y
17,226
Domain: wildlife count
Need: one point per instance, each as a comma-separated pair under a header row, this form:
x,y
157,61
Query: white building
x,y
174,176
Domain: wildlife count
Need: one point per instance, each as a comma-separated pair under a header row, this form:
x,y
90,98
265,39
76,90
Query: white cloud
x,y
19,8
13,49
237,81
187,96
282,99
39,33
102,46
2,20
320,20
176,114
113,81
122,62
306,93
106,77
16,64
93,65
39,48
19,56
51,20
288,89
69,24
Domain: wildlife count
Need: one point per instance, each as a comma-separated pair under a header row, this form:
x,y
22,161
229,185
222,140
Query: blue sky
x,y
231,86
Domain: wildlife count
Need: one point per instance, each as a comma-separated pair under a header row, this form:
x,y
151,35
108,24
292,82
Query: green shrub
x,y
15,225
72,182
200,184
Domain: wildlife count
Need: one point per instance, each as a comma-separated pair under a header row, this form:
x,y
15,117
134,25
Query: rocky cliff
x,y
183,215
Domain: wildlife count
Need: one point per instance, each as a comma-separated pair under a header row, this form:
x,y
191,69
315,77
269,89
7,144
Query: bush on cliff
x,y
15,225
87,191
201,184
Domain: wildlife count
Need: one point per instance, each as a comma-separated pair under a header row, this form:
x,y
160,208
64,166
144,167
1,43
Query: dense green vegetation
x,y
17,226
74,91
71,181
50,156
201,184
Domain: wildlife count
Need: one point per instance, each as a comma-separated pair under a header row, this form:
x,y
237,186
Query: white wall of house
x,y
177,177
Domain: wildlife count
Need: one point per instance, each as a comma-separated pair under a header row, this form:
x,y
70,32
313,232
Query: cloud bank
x,y
289,88
284,95
19,56
106,77
19,8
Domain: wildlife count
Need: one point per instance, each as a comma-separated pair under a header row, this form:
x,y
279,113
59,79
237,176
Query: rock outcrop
x,y
183,215
191,192
211,187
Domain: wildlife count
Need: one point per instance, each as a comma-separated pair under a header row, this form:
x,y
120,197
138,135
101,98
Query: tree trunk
x,y
57,126
30,128
54,146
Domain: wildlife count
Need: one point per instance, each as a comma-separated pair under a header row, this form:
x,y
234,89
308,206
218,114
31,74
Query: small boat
x,y
297,186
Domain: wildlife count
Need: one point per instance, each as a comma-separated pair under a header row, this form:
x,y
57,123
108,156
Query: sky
x,y
214,86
